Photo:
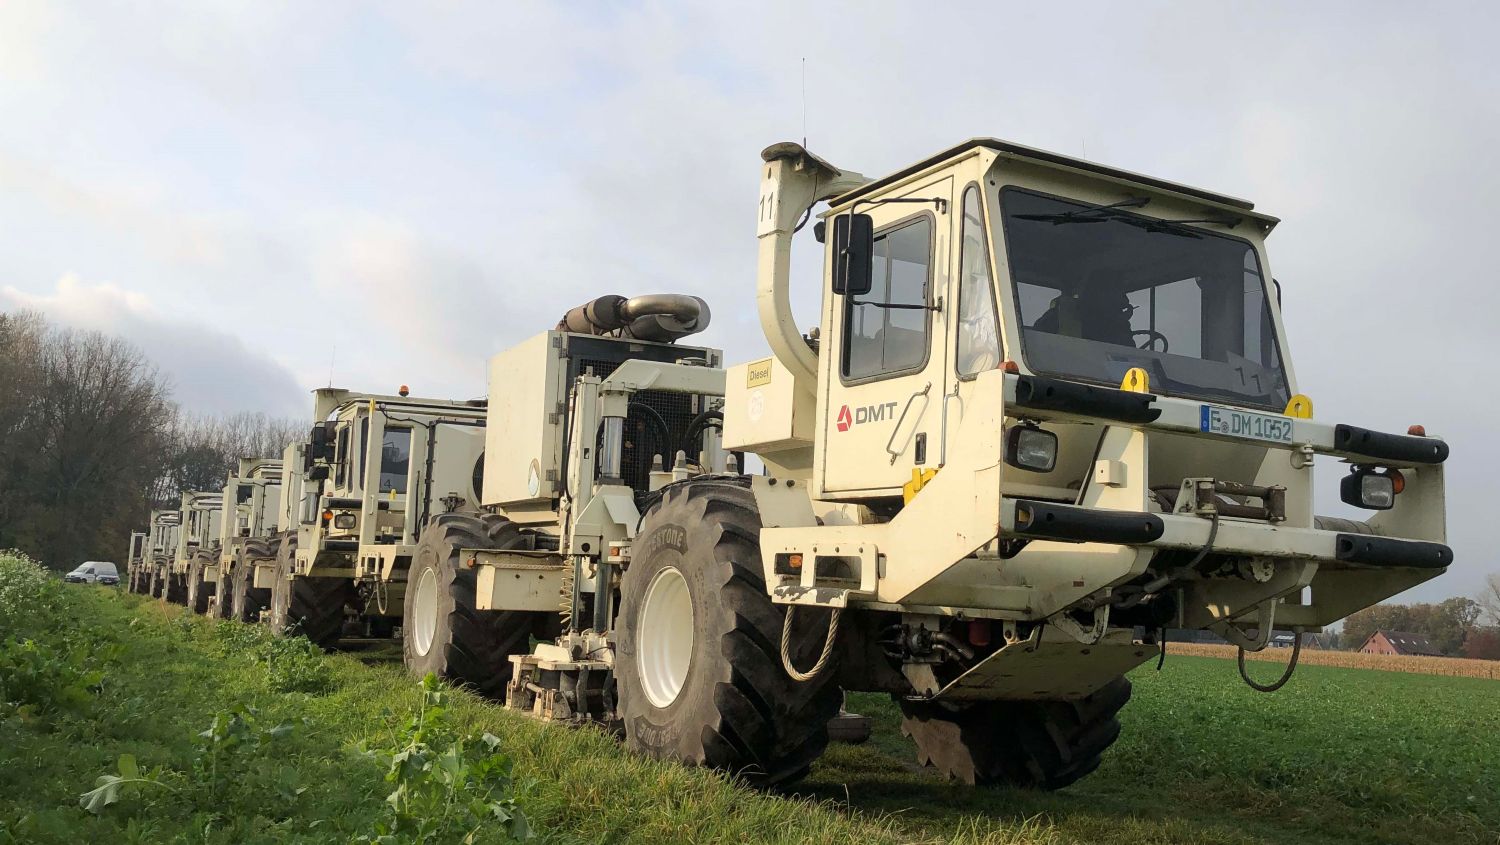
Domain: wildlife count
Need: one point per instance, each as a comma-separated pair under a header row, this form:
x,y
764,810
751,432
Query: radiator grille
x,y
642,439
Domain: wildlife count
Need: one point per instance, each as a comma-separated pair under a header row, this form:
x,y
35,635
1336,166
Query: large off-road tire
x,y
699,667
245,601
176,589
1029,744
443,631
308,606
223,594
199,592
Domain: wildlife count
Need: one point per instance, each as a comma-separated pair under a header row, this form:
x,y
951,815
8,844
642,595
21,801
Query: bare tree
x,y
90,440
1489,598
204,450
84,425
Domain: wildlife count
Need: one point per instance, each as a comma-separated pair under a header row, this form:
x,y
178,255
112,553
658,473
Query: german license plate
x,y
1237,423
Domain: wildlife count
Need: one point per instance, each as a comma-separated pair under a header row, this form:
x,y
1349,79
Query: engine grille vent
x,y
642,435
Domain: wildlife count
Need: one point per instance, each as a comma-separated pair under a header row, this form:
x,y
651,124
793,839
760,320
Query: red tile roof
x,y
1406,643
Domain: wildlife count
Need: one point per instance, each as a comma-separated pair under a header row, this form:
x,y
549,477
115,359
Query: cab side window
x,y
341,457
978,328
881,340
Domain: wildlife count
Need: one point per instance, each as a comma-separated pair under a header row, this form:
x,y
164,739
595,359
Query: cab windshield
x,y
1102,290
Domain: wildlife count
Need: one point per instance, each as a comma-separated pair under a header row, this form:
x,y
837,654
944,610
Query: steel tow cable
x,y
786,642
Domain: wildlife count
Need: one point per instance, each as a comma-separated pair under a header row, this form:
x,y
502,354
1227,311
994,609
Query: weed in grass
x,y
292,664
108,787
447,787
39,679
234,735
42,676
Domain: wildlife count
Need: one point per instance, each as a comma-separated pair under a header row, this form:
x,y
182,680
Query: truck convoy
x,y
194,566
375,473
249,530
1048,412
150,570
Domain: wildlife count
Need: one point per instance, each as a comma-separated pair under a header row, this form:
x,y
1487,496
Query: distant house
x,y
1398,642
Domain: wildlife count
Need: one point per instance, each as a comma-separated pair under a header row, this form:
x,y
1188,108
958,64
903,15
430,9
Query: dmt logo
x,y
865,414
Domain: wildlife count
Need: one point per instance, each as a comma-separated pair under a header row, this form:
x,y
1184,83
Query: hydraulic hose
x,y
1291,667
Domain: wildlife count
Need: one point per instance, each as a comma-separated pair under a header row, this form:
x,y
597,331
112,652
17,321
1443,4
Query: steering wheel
x,y
1152,337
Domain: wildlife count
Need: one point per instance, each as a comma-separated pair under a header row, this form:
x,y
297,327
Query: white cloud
x,y
211,371
402,193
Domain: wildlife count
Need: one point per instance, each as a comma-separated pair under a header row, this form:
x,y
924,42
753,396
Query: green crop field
x,y
233,737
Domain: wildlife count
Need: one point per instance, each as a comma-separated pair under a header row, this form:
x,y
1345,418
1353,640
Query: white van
x,y
94,572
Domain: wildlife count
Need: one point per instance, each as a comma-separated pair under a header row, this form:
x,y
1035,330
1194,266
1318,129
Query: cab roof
x,y
1010,149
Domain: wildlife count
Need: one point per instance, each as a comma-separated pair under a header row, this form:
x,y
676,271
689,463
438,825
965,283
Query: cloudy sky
x,y
266,196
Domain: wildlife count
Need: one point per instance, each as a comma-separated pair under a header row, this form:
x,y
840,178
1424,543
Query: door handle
x,y
921,394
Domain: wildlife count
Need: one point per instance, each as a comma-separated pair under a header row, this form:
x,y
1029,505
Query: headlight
x,y
345,520
1371,489
1030,447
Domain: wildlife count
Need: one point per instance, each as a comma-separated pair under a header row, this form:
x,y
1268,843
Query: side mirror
x,y
853,250
320,443
318,473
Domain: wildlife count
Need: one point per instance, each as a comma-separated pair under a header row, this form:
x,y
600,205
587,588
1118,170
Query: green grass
x,y
1339,756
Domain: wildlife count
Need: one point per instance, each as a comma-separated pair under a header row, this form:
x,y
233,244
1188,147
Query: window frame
x,y
989,255
341,445
410,441
845,310
1272,310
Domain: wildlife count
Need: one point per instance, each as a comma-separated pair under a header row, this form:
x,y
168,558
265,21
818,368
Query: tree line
x,y
91,441
1457,627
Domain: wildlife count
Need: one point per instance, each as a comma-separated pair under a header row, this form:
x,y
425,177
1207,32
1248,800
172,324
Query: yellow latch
x,y
1300,407
1136,381
919,479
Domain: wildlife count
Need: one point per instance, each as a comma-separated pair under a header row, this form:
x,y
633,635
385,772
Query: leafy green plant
x,y
232,735
47,665
295,665
108,788
447,788
38,679
292,664
233,745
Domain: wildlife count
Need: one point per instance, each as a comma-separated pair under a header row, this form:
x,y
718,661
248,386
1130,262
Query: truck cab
x,y
1042,388
161,545
376,468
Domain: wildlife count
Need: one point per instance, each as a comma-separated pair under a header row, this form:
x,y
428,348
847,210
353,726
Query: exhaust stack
x,y
792,181
659,317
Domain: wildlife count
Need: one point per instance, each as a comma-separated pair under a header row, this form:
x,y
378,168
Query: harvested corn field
x,y
1453,667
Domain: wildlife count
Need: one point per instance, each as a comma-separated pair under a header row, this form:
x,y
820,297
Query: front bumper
x,y
1069,523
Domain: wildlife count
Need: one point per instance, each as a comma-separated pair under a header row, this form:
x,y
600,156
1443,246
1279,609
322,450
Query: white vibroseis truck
x,y
1048,413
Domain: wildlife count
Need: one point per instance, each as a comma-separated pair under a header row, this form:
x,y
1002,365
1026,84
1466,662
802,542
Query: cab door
x,y
885,355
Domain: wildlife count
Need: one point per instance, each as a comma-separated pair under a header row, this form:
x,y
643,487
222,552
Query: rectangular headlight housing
x,y
1031,448
1369,489
345,520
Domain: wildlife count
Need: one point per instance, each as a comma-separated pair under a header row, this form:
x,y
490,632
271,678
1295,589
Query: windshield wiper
x,y
1104,214
1176,227
1164,227
1081,215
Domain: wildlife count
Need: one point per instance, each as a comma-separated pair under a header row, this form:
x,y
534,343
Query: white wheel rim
x,y
664,637
424,606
